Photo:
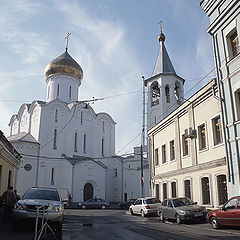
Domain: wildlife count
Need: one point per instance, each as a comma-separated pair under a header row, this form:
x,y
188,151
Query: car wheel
x,y
214,223
83,206
103,206
130,211
161,216
142,213
178,219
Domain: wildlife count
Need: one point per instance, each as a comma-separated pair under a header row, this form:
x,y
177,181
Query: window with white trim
x,y
202,137
164,191
187,188
164,155
217,130
172,150
156,157
174,189
205,191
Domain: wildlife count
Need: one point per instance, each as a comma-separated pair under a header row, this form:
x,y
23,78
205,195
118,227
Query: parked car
x,y
94,203
228,214
47,198
127,204
144,206
181,209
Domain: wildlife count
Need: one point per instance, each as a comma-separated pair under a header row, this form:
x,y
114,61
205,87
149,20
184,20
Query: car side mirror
x,y
223,208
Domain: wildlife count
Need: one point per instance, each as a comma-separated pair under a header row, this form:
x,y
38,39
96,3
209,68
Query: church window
x,y
205,190
167,94
164,157
164,191
58,90
70,92
52,176
81,118
202,136
185,144
155,93
222,189
233,43
84,143
187,188
177,91
75,142
172,150
102,146
217,130
156,157
56,115
55,139
115,172
155,119
103,126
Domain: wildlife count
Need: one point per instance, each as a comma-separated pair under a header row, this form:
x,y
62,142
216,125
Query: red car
x,y
228,215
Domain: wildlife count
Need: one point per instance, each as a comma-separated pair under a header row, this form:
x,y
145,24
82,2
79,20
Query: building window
x,y
237,99
164,191
58,90
177,91
202,137
205,191
187,188
185,144
52,176
75,142
9,178
167,94
156,157
70,92
222,189
102,146
55,139
155,120
155,93
84,143
164,158
172,150
103,126
81,117
56,115
217,130
115,172
234,43
157,191
174,189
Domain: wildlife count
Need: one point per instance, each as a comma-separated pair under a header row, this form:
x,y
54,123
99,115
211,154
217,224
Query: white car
x,y
144,206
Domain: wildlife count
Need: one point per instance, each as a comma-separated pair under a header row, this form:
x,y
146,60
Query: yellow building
x,y
187,153
9,161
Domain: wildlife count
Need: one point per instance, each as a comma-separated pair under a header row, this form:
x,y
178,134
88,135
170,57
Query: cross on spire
x,y
160,23
66,37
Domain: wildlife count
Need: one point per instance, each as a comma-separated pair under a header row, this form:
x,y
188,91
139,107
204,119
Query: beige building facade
x,y
187,154
9,161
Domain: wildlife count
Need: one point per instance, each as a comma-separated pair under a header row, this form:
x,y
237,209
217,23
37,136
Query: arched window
x,y
164,191
75,142
56,115
167,94
222,189
177,90
205,190
174,189
58,90
187,188
155,93
70,92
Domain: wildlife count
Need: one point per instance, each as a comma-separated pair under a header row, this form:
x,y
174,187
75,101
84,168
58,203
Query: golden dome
x,y
64,64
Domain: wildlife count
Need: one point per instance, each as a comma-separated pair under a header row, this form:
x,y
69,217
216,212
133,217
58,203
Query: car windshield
x,y
182,202
151,201
42,194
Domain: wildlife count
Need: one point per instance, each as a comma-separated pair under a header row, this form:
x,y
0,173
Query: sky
x,y
115,43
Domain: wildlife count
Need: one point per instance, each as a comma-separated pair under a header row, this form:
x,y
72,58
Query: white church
x,y
65,144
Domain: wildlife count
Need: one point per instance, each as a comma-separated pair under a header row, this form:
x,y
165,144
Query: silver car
x,y
45,198
181,209
144,206
94,203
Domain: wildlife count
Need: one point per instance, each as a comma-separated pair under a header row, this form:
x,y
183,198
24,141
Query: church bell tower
x,y
164,87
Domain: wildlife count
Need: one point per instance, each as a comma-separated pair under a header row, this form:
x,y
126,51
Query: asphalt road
x,y
114,224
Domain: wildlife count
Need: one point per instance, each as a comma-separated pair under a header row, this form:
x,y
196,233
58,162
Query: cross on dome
x,y
66,37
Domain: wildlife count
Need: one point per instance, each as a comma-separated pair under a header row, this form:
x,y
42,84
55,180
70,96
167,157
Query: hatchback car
x,y
181,209
43,198
228,215
94,203
144,206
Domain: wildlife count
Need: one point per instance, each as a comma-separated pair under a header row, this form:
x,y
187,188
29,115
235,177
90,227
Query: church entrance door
x,y
88,191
